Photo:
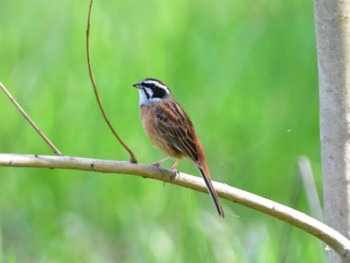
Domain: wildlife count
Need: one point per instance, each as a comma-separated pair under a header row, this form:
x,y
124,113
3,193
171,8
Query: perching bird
x,y
171,130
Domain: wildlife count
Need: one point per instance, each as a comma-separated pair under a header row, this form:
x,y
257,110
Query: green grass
x,y
246,73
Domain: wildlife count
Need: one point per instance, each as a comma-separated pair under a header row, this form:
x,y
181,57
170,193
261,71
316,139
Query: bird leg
x,y
174,166
160,161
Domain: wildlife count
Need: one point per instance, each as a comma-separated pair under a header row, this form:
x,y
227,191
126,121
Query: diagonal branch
x,y
132,156
310,225
31,122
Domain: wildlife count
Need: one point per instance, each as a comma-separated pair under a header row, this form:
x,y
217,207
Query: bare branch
x,y
31,122
132,156
323,232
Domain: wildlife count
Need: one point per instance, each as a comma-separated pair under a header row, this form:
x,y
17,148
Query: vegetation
x,y
246,72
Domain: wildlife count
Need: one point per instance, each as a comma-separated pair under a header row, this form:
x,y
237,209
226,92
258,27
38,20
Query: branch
x,y
31,122
310,225
132,156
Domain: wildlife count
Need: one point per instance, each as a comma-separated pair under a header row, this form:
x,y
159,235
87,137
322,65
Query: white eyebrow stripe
x,y
155,83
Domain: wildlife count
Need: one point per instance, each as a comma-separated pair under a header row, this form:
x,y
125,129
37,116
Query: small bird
x,y
171,130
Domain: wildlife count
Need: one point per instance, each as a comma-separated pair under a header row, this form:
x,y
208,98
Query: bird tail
x,y
205,174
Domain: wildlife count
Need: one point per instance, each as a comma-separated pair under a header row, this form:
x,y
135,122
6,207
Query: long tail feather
x,y
212,192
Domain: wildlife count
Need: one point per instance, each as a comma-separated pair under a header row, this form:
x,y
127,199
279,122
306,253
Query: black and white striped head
x,y
152,90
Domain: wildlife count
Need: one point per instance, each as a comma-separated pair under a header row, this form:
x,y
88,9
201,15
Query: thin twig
x,y
310,225
132,156
31,122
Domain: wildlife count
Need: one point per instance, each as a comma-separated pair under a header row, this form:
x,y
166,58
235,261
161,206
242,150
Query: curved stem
x,y
132,156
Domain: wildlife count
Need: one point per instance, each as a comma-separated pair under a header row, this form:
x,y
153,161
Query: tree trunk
x,y
332,19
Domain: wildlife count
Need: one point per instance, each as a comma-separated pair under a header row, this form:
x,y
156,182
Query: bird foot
x,y
173,168
157,164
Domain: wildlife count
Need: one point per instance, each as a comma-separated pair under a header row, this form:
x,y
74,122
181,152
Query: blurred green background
x,y
245,71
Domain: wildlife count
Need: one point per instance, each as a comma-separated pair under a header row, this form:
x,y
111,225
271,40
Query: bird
x,y
170,129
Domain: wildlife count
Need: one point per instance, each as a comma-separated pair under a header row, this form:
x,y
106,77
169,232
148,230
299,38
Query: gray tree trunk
x,y
332,18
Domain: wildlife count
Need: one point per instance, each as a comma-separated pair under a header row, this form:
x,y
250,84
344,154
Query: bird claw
x,y
175,165
175,170
157,164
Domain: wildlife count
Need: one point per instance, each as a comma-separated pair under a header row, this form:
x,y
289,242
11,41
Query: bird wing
x,y
175,125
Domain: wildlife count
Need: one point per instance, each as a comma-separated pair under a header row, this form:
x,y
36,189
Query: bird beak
x,y
137,85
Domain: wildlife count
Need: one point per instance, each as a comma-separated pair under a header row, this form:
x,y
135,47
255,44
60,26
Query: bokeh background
x,y
245,71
